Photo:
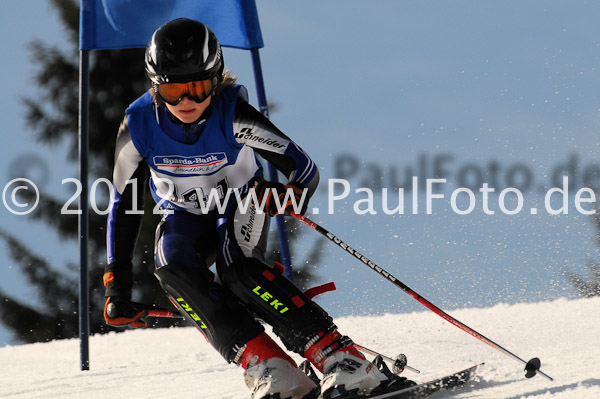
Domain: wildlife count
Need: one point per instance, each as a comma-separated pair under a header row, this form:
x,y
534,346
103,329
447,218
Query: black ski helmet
x,y
183,50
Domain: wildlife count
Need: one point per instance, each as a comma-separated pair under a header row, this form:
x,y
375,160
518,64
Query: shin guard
x,y
209,307
295,317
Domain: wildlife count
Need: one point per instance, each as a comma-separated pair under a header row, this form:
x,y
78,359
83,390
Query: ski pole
x,y
151,311
163,313
531,367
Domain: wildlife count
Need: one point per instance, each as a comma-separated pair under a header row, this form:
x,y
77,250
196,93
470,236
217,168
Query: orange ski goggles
x,y
173,93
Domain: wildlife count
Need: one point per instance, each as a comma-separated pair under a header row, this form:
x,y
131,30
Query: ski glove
x,y
120,313
119,310
278,198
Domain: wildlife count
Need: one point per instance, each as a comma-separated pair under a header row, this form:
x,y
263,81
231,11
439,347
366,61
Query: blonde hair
x,y
228,80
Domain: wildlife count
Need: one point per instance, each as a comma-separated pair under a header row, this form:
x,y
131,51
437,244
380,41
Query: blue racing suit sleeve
x,y
130,176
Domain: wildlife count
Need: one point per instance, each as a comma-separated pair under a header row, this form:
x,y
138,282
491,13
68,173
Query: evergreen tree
x,y
588,287
116,79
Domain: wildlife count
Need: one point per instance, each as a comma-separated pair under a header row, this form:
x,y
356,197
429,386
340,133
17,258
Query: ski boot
x,y
271,374
346,371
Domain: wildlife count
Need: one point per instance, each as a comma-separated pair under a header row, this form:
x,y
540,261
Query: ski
x,y
428,388
417,391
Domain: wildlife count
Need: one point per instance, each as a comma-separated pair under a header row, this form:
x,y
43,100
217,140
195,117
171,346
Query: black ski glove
x,y
119,311
279,198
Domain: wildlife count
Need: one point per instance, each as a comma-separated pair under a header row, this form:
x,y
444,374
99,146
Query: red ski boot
x,y
271,373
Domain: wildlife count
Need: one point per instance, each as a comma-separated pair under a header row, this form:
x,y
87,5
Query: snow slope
x,y
178,363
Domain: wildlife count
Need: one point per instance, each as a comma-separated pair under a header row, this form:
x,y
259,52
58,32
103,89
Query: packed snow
x,y
179,363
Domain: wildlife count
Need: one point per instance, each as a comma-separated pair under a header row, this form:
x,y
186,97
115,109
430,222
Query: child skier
x,y
196,137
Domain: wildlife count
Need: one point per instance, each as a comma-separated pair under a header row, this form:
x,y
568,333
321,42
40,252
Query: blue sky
x,y
505,86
